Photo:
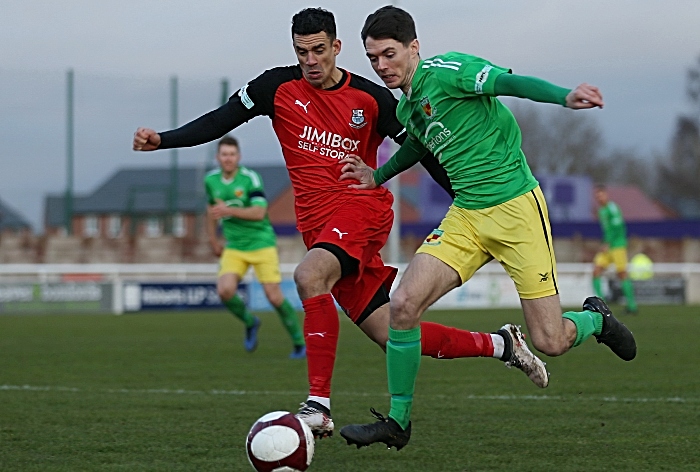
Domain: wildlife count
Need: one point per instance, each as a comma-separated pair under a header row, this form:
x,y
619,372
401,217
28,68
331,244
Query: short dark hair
x,y
390,22
312,21
228,140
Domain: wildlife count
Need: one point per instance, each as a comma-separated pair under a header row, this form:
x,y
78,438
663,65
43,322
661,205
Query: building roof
x,y
636,205
146,191
11,219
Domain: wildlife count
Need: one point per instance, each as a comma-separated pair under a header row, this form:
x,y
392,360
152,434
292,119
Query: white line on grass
x,y
180,391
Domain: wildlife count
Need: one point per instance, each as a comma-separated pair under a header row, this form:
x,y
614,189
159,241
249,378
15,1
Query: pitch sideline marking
x,y
167,391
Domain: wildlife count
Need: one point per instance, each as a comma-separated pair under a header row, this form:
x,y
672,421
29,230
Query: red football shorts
x,y
360,228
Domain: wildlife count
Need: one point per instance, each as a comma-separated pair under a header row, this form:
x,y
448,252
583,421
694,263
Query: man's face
x,y
316,54
601,196
392,61
228,157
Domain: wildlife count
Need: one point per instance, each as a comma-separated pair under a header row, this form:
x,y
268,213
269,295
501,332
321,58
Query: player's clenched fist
x,y
146,139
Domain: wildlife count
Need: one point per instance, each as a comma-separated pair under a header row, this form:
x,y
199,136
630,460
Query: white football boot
x,y
318,418
521,357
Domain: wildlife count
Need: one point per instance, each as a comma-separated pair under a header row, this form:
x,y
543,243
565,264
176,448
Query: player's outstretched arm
x,y
538,90
204,129
584,96
409,154
146,139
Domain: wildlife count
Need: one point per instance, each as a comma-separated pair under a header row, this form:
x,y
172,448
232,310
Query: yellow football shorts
x,y
616,255
516,233
265,262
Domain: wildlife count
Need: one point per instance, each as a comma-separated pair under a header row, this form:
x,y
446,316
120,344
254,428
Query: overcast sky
x,y
123,53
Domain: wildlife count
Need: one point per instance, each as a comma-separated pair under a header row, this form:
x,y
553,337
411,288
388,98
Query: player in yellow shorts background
x,y
265,263
614,248
617,256
237,199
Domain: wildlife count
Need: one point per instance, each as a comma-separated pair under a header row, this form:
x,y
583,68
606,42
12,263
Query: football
x,y
280,442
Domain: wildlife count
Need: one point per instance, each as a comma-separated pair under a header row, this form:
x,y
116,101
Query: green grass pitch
x,y
177,392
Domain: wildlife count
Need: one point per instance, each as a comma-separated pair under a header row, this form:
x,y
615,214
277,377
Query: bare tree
x,y
563,142
693,90
678,174
627,167
560,141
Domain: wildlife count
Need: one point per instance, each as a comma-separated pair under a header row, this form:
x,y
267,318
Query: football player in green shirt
x,y
449,108
614,248
237,199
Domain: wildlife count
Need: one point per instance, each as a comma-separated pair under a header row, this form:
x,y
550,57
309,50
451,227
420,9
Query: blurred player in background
x,y
449,109
614,247
237,199
320,114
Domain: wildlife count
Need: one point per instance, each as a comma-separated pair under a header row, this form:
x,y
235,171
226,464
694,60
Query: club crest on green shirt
x,y
428,109
241,234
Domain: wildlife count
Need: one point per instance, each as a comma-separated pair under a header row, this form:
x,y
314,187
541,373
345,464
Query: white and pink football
x,y
280,442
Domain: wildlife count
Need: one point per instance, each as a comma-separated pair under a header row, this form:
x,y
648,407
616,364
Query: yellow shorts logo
x,y
433,238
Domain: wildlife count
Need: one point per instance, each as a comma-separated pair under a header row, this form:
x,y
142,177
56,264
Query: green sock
x,y
403,351
597,288
587,324
236,306
291,322
628,290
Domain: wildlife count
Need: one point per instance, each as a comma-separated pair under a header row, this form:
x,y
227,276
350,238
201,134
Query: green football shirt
x,y
244,190
613,225
451,110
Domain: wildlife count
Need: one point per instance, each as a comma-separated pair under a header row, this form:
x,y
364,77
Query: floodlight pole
x,y
68,198
173,156
224,91
224,99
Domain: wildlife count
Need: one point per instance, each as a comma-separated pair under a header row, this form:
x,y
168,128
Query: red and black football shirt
x,y
316,128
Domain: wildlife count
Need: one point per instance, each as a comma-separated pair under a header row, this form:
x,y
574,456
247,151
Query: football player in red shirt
x,y
322,113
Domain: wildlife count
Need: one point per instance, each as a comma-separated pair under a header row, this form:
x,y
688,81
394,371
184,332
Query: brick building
x,y
130,218
141,203
134,216
17,241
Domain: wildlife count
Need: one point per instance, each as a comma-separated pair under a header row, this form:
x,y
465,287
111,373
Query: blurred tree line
x,y
561,141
